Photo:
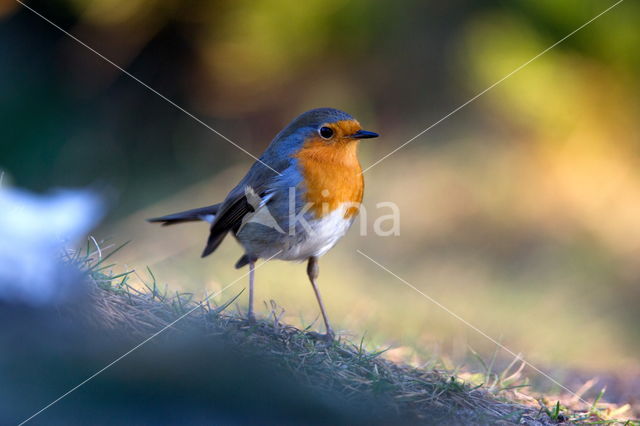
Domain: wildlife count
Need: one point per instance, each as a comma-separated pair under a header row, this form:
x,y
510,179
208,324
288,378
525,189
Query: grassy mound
x,y
181,361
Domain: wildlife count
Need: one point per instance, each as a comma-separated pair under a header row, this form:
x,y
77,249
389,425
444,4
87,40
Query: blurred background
x,y
520,213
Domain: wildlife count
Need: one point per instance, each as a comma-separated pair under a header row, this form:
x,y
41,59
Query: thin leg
x,y
250,315
313,271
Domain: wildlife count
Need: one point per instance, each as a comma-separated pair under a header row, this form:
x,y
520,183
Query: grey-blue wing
x,y
227,220
259,180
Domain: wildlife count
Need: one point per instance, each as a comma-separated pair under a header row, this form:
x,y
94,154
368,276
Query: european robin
x,y
296,201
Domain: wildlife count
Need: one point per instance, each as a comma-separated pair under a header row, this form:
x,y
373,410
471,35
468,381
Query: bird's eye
x,y
326,132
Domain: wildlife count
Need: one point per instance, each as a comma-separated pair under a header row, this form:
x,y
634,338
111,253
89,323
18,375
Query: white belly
x,y
325,233
314,240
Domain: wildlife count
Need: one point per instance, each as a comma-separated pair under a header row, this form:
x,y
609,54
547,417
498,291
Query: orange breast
x,y
332,175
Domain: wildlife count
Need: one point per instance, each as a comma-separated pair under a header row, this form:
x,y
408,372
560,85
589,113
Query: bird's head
x,y
322,128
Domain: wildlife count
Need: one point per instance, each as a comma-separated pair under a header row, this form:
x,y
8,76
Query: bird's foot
x,y
251,318
328,337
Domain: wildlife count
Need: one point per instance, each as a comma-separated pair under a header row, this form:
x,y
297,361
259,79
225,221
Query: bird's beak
x,y
363,134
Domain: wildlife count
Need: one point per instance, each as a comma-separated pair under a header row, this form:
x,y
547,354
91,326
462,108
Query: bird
x,y
296,201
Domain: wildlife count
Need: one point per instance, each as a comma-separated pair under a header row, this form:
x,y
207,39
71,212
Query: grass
x,y
343,368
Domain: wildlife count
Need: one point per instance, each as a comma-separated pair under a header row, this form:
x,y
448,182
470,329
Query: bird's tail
x,y
206,214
